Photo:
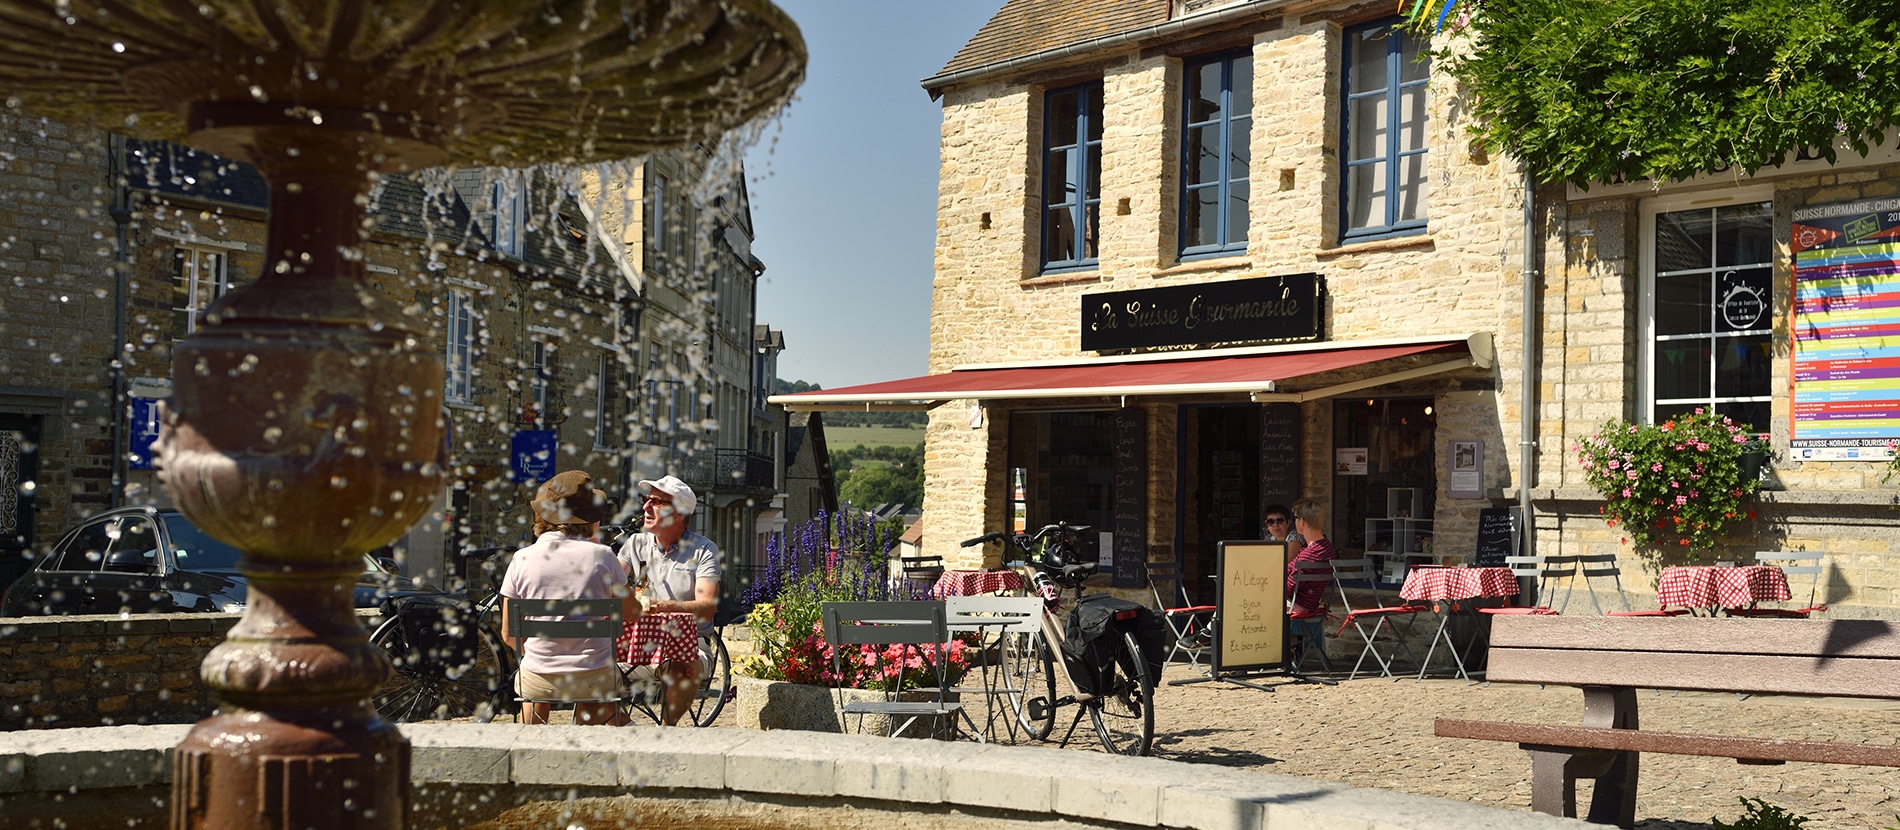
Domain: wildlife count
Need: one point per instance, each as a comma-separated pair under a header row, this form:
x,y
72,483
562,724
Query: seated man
x,y
565,563
679,571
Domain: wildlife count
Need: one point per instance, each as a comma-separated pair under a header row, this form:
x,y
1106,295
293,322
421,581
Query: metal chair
x,y
1792,563
913,624
1309,627
1012,621
565,619
1524,566
1601,566
1359,572
1192,625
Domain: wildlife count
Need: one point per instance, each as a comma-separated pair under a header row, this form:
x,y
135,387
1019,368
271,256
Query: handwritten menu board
x,y
1497,536
1131,498
1250,629
1279,455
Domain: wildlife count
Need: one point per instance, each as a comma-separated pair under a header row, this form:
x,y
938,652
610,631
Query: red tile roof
x,y
1025,27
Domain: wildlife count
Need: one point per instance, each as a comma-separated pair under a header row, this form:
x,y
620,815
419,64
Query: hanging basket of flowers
x,y
1676,485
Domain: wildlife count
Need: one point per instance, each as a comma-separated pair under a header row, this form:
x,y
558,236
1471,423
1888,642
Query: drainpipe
x,y
121,212
1527,440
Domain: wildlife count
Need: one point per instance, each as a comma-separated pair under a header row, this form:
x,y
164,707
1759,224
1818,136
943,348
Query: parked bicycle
x,y
1103,670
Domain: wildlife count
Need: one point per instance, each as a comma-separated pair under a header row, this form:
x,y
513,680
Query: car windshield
x,y
196,551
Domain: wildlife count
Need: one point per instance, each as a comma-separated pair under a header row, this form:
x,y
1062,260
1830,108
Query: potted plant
x,y
1756,453
1671,486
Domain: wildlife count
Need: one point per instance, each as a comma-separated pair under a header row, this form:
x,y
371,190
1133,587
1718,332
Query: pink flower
x,y
1614,464
1675,485
1656,467
1626,492
1632,475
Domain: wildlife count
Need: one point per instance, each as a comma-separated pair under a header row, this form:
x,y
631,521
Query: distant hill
x,y
782,386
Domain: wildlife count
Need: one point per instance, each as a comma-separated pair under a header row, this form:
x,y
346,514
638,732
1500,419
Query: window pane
x,y
1200,217
1203,93
1094,95
1063,111
1751,414
1682,240
1241,102
1682,369
1682,304
1063,178
1089,249
1239,148
1412,183
1412,67
1367,127
1094,181
1368,60
1365,195
1742,300
1744,235
1058,231
1204,143
1665,411
1412,118
1237,213
1742,366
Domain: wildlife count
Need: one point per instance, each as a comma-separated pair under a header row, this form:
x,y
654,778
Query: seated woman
x,y
1304,598
565,563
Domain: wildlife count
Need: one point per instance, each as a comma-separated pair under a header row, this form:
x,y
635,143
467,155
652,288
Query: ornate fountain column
x,y
305,425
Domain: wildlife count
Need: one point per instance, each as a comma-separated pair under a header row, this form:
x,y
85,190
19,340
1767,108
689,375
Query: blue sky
x,y
844,188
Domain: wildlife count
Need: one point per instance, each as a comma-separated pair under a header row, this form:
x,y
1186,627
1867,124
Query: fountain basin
x,y
467,774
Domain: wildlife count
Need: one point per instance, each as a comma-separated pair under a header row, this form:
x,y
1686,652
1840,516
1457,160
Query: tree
x,y
871,486
1664,89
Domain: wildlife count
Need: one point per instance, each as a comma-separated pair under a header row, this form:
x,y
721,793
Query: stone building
x,y
537,307
1198,257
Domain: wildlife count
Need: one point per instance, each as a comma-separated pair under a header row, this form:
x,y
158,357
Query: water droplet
x,y
339,482
118,47
257,92
55,357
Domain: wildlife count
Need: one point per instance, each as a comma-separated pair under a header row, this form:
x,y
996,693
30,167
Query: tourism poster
x,y
1845,378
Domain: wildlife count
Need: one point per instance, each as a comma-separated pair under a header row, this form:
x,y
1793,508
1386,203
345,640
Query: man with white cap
x,y
680,570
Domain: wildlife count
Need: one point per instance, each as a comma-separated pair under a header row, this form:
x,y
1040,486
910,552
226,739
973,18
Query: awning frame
x,y
1478,347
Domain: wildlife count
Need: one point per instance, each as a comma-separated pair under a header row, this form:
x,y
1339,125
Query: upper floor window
x,y
1710,292
605,424
460,352
1071,176
538,385
1384,142
198,277
1214,154
510,208
671,221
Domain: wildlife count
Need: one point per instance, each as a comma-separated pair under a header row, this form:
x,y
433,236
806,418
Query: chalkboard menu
x,y
1497,536
1279,455
1250,630
1131,498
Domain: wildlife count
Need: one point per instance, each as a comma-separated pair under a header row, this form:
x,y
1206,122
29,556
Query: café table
x,y
653,639
1445,588
1712,588
974,583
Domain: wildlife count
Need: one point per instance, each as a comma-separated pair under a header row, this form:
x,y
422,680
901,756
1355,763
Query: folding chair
x,y
1011,620
1359,572
1594,566
1524,566
566,619
1309,627
913,624
1792,563
1192,625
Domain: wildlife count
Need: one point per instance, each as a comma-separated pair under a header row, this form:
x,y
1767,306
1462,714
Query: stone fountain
x,y
306,421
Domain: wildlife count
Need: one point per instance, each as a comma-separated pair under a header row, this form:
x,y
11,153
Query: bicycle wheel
x,y
424,686
1124,715
1031,662
717,684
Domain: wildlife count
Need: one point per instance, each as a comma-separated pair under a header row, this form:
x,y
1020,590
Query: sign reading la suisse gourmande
x,y
1260,310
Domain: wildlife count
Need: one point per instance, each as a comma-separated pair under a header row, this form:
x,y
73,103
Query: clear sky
x,y
844,188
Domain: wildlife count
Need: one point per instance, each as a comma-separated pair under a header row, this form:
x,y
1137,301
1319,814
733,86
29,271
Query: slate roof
x,y
176,170
1025,27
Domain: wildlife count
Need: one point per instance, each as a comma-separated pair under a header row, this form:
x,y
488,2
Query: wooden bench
x,y
1611,657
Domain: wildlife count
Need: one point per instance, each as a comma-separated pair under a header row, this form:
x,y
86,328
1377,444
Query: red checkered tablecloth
x,y
972,583
652,639
1434,584
1712,587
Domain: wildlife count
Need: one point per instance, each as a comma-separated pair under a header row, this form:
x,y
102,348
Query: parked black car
x,y
144,560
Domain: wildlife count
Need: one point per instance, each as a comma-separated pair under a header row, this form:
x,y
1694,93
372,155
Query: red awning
x,y
1257,371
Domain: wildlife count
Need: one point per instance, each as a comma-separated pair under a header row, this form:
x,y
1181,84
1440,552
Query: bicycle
x,y
1119,679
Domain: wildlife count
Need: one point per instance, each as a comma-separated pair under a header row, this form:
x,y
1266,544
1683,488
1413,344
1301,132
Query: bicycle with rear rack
x,y
1097,665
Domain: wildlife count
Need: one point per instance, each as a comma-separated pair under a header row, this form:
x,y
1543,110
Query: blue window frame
x,y
1218,107
1071,177
1384,141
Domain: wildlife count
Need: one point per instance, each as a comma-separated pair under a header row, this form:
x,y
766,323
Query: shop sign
x,y
532,455
1846,354
1259,310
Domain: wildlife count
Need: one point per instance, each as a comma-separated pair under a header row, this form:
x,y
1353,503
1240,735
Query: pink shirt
x,y
556,567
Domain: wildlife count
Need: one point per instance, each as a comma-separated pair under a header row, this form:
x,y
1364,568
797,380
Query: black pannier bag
x,y
1094,638
441,631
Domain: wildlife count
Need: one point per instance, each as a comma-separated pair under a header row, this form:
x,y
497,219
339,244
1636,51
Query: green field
x,y
844,438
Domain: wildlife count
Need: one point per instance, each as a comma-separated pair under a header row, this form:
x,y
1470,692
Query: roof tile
x,y
1025,27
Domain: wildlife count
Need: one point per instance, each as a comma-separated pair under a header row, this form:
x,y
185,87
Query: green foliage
x,y
1666,89
1760,815
897,478
1669,485
781,386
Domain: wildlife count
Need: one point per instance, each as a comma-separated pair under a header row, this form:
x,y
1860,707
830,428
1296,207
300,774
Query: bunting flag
x,y
1423,9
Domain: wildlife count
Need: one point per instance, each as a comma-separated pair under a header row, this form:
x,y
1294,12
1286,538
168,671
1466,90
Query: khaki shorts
x,y
597,684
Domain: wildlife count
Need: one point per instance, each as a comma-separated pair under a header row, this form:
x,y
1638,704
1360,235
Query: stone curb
x,y
1031,782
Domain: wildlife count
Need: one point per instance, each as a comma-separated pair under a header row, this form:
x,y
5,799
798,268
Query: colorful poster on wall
x,y
1845,378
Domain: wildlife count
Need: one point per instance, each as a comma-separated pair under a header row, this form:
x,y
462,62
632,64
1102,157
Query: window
x,y
1071,177
1710,295
604,426
1385,132
510,207
198,277
538,385
460,353
1218,102
656,214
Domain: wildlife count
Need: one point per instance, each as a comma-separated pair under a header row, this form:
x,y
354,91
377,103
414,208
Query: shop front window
x,y
1385,480
1068,464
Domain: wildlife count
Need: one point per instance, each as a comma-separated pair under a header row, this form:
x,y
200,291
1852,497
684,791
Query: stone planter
x,y
775,704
